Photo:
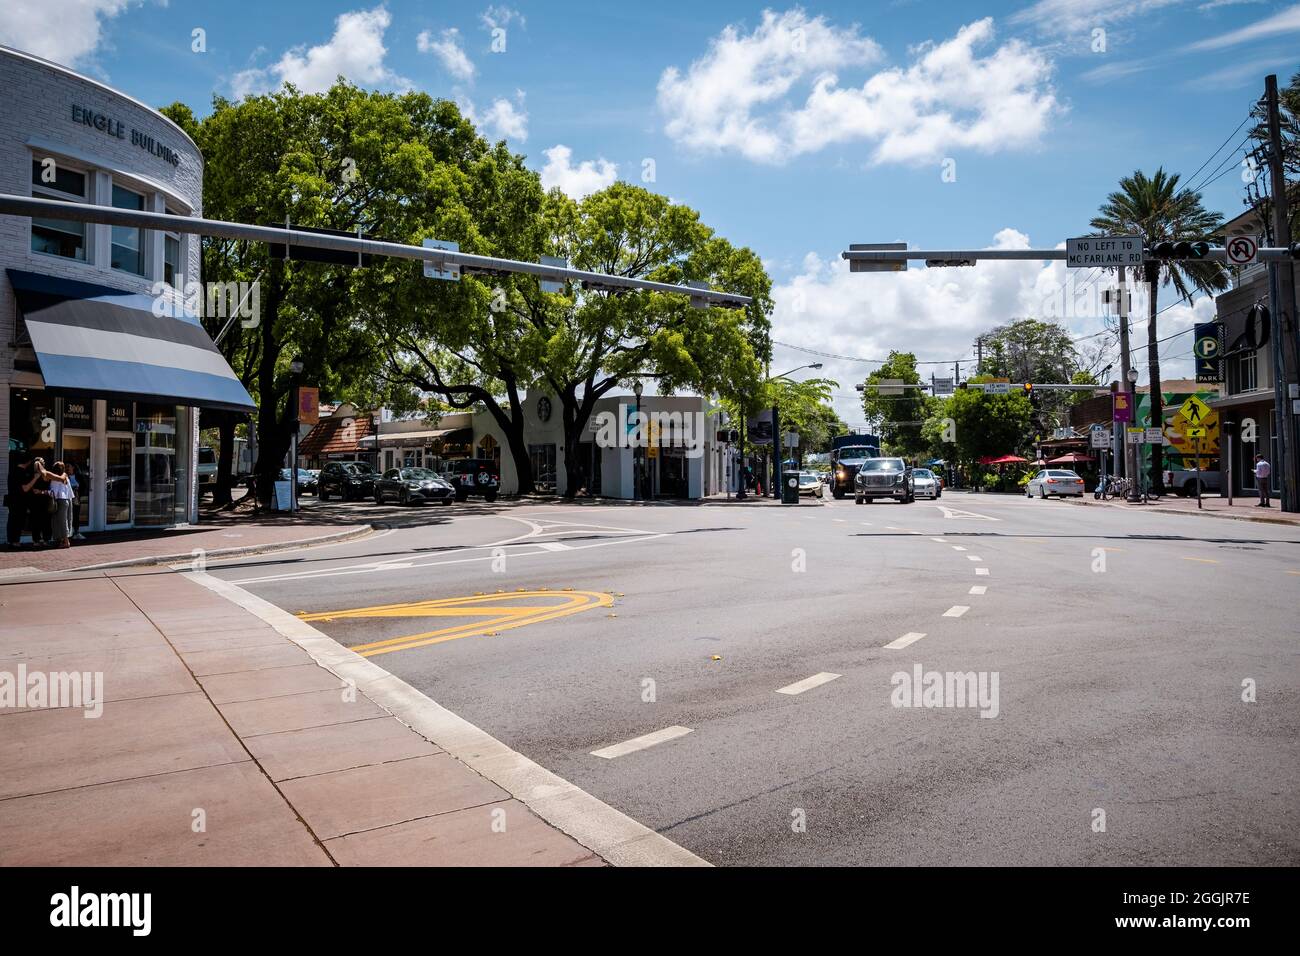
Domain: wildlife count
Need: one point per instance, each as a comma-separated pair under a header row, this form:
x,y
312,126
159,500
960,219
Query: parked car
x,y
411,485
926,483
349,480
810,483
883,478
1055,481
207,470
307,483
473,476
1183,481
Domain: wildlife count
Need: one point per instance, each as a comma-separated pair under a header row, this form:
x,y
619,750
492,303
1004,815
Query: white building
x,y
89,373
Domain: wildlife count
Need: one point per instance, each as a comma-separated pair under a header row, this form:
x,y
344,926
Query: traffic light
x,y
1181,250
1029,394
962,386
1295,250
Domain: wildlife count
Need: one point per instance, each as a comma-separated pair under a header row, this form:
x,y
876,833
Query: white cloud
x,y
506,121
448,51
501,16
355,51
738,96
65,31
1064,17
937,313
576,181
1287,21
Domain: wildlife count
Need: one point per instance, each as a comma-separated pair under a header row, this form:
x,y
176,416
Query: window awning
x,y
400,439
93,339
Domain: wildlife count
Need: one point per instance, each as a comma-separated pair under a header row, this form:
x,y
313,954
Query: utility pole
x,y
1286,363
979,354
1125,450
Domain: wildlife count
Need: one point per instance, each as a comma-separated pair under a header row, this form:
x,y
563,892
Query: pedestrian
x,y
60,491
16,498
74,515
1262,473
39,504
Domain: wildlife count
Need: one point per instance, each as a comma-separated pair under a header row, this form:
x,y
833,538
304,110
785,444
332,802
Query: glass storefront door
x,y
155,465
117,488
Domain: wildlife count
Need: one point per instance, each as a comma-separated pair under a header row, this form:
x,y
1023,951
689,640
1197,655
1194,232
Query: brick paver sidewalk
x,y
1245,509
222,742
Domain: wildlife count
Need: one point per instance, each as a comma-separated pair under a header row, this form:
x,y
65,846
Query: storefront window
x,y
32,423
157,469
128,242
117,492
58,237
543,460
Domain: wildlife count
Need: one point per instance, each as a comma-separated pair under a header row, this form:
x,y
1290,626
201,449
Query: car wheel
x,y
403,497
379,497
857,499
1042,492
324,495
461,496
446,501
838,493
490,496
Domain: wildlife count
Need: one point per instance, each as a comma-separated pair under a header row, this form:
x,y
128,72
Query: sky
x,y
793,130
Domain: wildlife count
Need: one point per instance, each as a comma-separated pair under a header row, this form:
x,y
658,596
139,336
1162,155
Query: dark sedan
x,y
410,485
349,480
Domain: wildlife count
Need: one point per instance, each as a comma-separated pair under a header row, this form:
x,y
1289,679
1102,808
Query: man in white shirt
x,y
1262,472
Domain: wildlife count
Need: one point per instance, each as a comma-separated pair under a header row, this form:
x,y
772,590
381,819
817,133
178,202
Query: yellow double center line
x,y
493,610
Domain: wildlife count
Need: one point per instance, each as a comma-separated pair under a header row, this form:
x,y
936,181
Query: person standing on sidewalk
x,y
1263,470
74,511
61,495
17,498
37,490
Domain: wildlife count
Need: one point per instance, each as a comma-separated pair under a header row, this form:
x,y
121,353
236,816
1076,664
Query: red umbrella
x,y
1008,460
1073,458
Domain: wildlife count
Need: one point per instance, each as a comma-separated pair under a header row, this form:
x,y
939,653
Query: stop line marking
x,y
641,743
808,683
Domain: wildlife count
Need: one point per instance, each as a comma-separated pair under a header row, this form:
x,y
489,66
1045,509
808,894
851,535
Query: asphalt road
x,y
1119,641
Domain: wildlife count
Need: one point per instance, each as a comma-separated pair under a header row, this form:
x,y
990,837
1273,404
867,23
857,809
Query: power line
x,y
854,358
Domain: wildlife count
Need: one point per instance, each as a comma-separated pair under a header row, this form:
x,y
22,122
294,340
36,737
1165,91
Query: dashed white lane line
x,y
939,540
808,683
641,743
957,547
973,557
909,638
981,570
979,589
957,610
553,546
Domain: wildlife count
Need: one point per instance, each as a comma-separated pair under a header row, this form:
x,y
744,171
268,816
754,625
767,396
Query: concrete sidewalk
x,y
221,743
1242,509
173,545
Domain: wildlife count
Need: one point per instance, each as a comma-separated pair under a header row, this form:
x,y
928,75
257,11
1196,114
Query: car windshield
x,y
207,456
417,474
922,473
855,453
357,468
883,464
1062,474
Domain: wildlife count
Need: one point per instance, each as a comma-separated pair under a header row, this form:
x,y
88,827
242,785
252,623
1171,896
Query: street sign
x,y
889,386
997,388
1100,438
550,285
1195,432
1135,435
1155,436
791,439
1194,410
858,265
450,273
1242,250
943,386
1123,408
1207,348
1096,251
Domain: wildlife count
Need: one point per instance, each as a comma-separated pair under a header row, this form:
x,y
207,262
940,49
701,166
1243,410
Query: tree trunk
x,y
1157,482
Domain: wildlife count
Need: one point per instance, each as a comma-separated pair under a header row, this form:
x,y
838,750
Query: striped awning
x,y
93,339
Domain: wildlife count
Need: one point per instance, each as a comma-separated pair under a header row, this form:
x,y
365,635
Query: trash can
x,y
790,488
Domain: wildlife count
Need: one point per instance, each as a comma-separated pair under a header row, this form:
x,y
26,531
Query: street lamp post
x,y
1136,472
295,367
637,389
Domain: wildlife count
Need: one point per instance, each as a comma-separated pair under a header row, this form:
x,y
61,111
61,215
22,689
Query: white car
x,y
926,483
1055,481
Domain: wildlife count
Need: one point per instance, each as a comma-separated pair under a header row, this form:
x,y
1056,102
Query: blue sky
x,y
793,130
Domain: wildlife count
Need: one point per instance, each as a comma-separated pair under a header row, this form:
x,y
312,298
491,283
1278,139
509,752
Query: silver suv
x,y
884,478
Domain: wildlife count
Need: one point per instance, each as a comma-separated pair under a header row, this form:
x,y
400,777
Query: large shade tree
x,y
1155,208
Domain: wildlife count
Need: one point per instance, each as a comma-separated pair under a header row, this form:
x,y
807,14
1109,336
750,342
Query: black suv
x,y
844,467
349,480
473,476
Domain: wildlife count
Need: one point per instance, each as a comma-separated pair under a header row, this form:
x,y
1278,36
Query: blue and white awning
x,y
93,339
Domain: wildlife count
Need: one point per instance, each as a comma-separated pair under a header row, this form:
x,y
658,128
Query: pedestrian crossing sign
x,y
1195,432
1194,410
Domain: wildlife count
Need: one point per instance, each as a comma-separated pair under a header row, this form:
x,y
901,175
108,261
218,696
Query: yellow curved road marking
x,y
494,613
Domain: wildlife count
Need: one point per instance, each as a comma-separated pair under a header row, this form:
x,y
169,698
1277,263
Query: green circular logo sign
x,y
1206,348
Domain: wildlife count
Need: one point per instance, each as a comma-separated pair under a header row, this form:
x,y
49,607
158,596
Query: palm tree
x,y
1157,210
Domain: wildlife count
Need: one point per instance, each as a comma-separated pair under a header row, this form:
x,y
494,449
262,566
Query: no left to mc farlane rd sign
x,y
1092,252
1242,250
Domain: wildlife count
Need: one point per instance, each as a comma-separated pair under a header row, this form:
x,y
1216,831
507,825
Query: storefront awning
x,y
91,339
405,439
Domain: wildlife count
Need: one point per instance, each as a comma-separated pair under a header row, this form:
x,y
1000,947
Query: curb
x,y
606,831
188,556
1156,509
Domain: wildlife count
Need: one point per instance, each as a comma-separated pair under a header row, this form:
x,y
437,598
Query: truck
x,y
1182,481
848,452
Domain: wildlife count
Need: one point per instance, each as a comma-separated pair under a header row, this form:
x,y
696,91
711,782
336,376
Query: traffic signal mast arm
x,y
441,258
1178,251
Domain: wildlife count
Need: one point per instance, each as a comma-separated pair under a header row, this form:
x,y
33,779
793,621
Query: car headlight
x,y
414,485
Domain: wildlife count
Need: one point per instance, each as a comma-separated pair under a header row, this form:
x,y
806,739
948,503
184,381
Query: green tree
x,y
1157,210
805,409
901,416
1042,353
971,425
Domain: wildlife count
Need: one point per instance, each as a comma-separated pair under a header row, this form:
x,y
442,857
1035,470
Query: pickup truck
x,y
1183,481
